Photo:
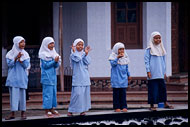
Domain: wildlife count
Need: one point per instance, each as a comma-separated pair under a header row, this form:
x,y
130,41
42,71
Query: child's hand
x,y
87,49
149,74
120,55
56,58
18,56
73,48
129,79
165,77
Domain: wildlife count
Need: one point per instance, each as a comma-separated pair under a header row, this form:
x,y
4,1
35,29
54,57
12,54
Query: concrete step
x,y
38,95
105,100
174,86
179,78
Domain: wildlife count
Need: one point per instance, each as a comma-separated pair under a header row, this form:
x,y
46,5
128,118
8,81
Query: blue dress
x,y
80,96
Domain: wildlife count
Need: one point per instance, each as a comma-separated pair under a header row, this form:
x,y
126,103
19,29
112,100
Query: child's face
x,y
157,39
22,44
51,46
79,46
121,51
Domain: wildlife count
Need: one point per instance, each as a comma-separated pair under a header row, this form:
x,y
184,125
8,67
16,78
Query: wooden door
x,y
126,24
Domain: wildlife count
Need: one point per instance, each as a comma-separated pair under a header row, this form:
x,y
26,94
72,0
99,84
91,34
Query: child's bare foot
x,y
124,110
117,110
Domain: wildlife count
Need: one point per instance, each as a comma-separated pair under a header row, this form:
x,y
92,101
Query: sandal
x,y
23,117
69,114
153,109
54,112
49,115
169,106
82,114
9,117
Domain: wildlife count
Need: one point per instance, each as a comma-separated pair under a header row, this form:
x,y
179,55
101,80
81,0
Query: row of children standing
x,y
18,62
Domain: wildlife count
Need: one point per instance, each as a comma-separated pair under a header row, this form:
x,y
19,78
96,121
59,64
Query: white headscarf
x,y
45,53
123,60
157,50
12,54
79,54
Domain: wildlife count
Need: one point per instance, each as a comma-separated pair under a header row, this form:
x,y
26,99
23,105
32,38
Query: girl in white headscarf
x,y
120,75
49,61
18,60
80,96
156,71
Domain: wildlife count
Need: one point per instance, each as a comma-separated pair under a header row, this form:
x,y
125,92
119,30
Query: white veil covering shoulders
x,y
45,53
12,54
123,60
157,50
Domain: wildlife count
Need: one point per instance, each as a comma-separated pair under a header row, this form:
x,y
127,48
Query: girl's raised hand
x,y
73,48
87,49
56,58
18,56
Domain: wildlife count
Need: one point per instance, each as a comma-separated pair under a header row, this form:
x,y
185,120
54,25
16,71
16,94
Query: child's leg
x,y
47,93
13,103
116,104
123,101
153,97
22,102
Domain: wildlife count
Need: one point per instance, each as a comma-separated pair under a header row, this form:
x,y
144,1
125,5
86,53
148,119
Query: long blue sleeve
x,y
114,62
147,60
86,60
48,64
10,63
76,58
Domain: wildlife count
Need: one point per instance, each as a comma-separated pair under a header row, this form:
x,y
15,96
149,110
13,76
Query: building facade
x,y
101,25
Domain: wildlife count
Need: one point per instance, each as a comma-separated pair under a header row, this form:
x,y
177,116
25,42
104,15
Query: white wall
x,y
91,21
99,37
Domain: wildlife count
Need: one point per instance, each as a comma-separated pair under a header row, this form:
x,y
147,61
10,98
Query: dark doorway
x,y
180,37
183,36
32,20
